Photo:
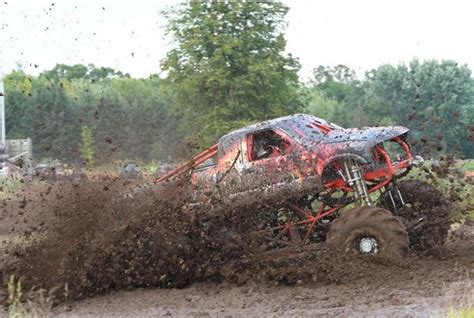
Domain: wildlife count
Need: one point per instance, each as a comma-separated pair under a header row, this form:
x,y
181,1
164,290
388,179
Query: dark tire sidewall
x,y
423,201
368,221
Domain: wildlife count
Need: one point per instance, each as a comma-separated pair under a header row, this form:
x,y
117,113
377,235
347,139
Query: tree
x,y
435,99
336,93
79,71
66,71
128,118
87,146
318,104
18,87
229,68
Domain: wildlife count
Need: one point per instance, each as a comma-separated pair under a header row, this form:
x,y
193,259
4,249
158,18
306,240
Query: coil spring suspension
x,y
352,175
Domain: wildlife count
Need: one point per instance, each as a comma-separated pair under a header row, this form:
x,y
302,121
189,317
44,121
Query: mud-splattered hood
x,y
355,142
372,135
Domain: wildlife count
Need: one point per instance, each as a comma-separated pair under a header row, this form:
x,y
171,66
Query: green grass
x,y
451,187
461,313
9,187
466,165
32,303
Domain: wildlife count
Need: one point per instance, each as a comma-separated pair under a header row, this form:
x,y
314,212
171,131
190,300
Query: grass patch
x,y
466,165
33,303
461,313
457,191
9,187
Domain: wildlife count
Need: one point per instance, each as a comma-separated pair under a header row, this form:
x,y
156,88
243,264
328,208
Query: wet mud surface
x,y
101,237
425,287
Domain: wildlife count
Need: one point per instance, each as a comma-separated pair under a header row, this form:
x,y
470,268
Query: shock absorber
x,y
392,199
353,176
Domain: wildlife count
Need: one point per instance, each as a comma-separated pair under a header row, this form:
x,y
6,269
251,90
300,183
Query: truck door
x,y
228,179
267,159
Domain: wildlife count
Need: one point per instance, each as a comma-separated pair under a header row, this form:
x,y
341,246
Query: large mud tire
x,y
370,222
422,202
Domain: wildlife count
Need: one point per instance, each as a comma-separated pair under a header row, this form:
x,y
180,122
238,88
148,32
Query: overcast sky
x,y
128,35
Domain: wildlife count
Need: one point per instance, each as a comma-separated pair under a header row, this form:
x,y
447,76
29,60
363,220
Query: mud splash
x,y
99,235
95,235
108,234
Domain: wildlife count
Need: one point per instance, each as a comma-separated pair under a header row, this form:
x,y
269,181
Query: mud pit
x,y
107,235
427,287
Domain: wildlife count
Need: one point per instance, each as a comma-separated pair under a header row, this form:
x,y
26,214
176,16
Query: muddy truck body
x,y
324,183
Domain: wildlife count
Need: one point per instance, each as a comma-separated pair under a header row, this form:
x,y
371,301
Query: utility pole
x,y
2,109
2,102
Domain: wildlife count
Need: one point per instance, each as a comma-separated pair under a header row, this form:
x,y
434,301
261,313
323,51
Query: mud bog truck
x,y
320,183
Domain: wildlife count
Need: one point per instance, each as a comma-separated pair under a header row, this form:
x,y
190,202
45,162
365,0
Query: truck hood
x,y
354,142
372,135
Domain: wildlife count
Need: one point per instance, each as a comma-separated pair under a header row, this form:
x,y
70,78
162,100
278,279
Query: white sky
x,y
361,34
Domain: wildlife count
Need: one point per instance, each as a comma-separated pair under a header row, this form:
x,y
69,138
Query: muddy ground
x,y
426,287
102,237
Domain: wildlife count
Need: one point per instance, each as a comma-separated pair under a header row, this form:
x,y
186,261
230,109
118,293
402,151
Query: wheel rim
x,y
367,245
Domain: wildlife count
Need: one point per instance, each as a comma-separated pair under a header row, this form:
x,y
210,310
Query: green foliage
x,y
458,191
15,295
436,99
228,67
35,303
339,73
318,104
467,166
342,96
87,146
10,187
79,71
129,118
463,312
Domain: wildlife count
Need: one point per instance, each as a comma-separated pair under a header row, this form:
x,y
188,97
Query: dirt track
x,y
428,287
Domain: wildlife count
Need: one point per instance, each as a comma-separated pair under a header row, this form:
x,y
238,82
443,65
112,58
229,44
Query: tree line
x,y
229,68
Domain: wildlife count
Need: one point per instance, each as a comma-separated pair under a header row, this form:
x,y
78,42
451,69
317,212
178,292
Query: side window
x,y
267,144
